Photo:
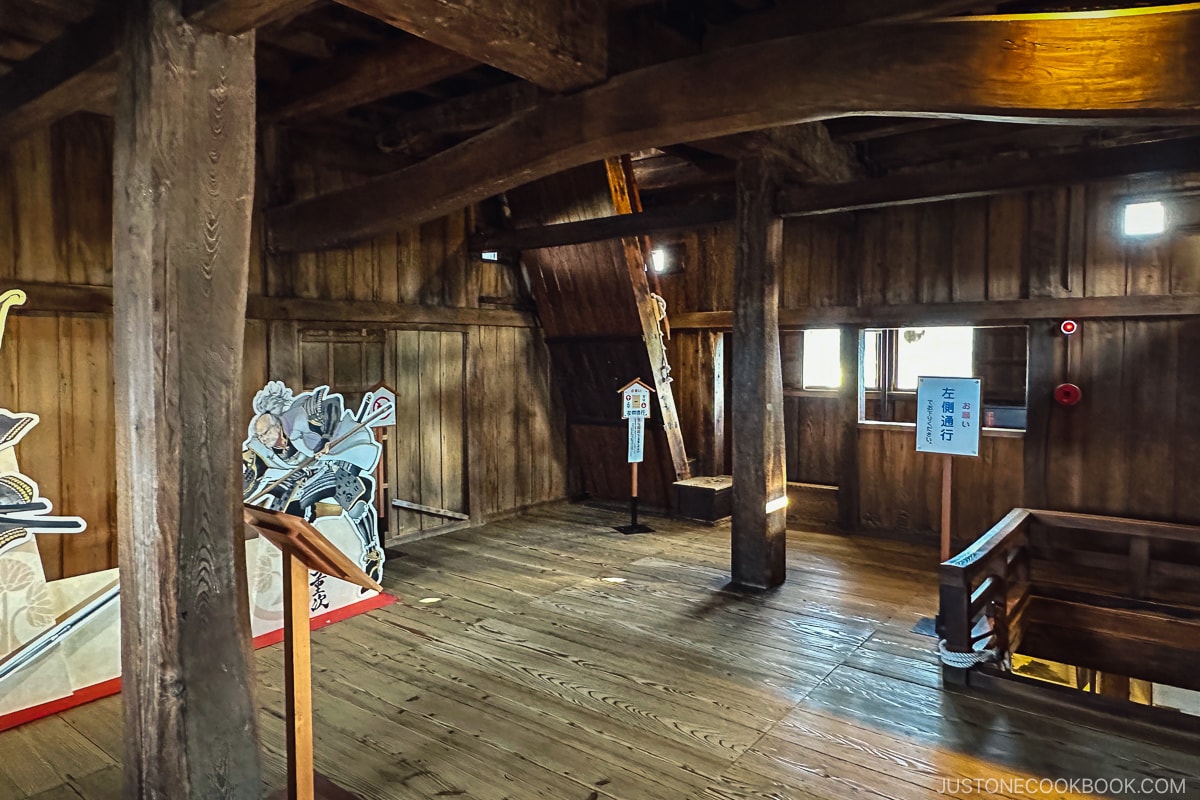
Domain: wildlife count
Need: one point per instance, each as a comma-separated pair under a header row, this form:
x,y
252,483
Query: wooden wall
x,y
55,228
1127,449
481,428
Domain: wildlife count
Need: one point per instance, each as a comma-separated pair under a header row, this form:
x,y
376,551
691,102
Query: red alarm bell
x,y
1067,394
1068,326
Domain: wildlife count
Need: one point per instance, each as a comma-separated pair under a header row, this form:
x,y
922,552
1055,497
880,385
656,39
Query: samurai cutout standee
x,y
307,455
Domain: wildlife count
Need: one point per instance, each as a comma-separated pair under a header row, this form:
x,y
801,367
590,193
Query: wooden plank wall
x,y
56,227
586,302
484,425
1125,450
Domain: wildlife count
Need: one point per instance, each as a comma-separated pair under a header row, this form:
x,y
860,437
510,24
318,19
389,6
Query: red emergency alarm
x,y
1067,394
1069,326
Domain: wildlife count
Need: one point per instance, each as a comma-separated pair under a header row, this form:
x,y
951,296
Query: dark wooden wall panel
x,y
56,227
1124,450
901,489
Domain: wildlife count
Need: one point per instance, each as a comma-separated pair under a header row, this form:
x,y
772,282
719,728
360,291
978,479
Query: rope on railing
x,y
960,660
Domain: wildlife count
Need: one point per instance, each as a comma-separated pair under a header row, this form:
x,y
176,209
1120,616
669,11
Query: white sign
x,y
949,416
377,401
637,431
636,402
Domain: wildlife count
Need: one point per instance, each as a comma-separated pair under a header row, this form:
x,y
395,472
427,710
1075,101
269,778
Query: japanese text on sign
x,y
636,403
948,416
637,431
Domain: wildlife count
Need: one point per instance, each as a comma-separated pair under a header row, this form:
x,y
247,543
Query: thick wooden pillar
x,y
759,483
849,412
183,185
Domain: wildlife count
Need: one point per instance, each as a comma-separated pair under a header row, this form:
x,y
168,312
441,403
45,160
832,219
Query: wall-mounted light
x,y
490,255
1147,218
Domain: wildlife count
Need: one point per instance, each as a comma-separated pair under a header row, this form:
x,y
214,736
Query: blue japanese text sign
x,y
949,416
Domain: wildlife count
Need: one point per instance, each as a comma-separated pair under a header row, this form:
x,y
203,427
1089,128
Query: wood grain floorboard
x,y
561,660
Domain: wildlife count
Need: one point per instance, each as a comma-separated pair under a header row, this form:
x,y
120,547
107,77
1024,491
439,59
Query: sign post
x,y
304,549
949,419
635,407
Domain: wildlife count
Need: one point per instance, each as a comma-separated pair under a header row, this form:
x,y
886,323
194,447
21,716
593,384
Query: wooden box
x,y
705,499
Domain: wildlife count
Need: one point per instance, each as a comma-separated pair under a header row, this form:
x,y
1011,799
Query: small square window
x,y
1145,219
823,359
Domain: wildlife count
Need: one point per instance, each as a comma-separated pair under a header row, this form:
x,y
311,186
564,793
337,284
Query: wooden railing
x,y
987,583
985,590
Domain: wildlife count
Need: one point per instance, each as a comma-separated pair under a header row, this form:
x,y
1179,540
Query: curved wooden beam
x,y
1141,64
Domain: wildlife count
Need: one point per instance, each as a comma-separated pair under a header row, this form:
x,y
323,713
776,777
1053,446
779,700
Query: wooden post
x,y
848,413
297,678
304,550
947,506
758,458
183,185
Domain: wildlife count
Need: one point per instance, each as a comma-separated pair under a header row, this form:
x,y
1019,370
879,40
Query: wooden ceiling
x,y
351,72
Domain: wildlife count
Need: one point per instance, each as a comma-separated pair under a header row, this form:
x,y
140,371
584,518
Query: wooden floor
x,y
568,662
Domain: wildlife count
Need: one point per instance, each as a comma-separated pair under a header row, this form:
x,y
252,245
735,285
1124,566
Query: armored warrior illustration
x,y
306,455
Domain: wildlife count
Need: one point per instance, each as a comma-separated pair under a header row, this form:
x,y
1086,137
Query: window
x,y
872,347
1145,219
822,359
894,358
944,352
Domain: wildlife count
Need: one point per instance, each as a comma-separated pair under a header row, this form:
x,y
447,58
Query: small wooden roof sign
x,y
635,397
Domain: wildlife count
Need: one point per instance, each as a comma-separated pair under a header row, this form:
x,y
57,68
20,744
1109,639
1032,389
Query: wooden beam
x,y
326,89
379,313
988,312
912,188
70,72
80,299
848,477
556,44
437,512
1064,68
621,226
234,17
60,78
183,188
791,19
60,297
1001,175
759,484
468,114
625,201
805,152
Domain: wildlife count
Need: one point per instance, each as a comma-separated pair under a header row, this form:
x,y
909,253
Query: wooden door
x,y
348,362
428,464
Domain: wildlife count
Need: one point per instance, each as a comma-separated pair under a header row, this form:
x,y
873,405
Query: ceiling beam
x,y
60,78
661,220
234,17
69,72
556,44
995,177
351,81
792,19
1064,68
470,113
805,152
1005,175
984,312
